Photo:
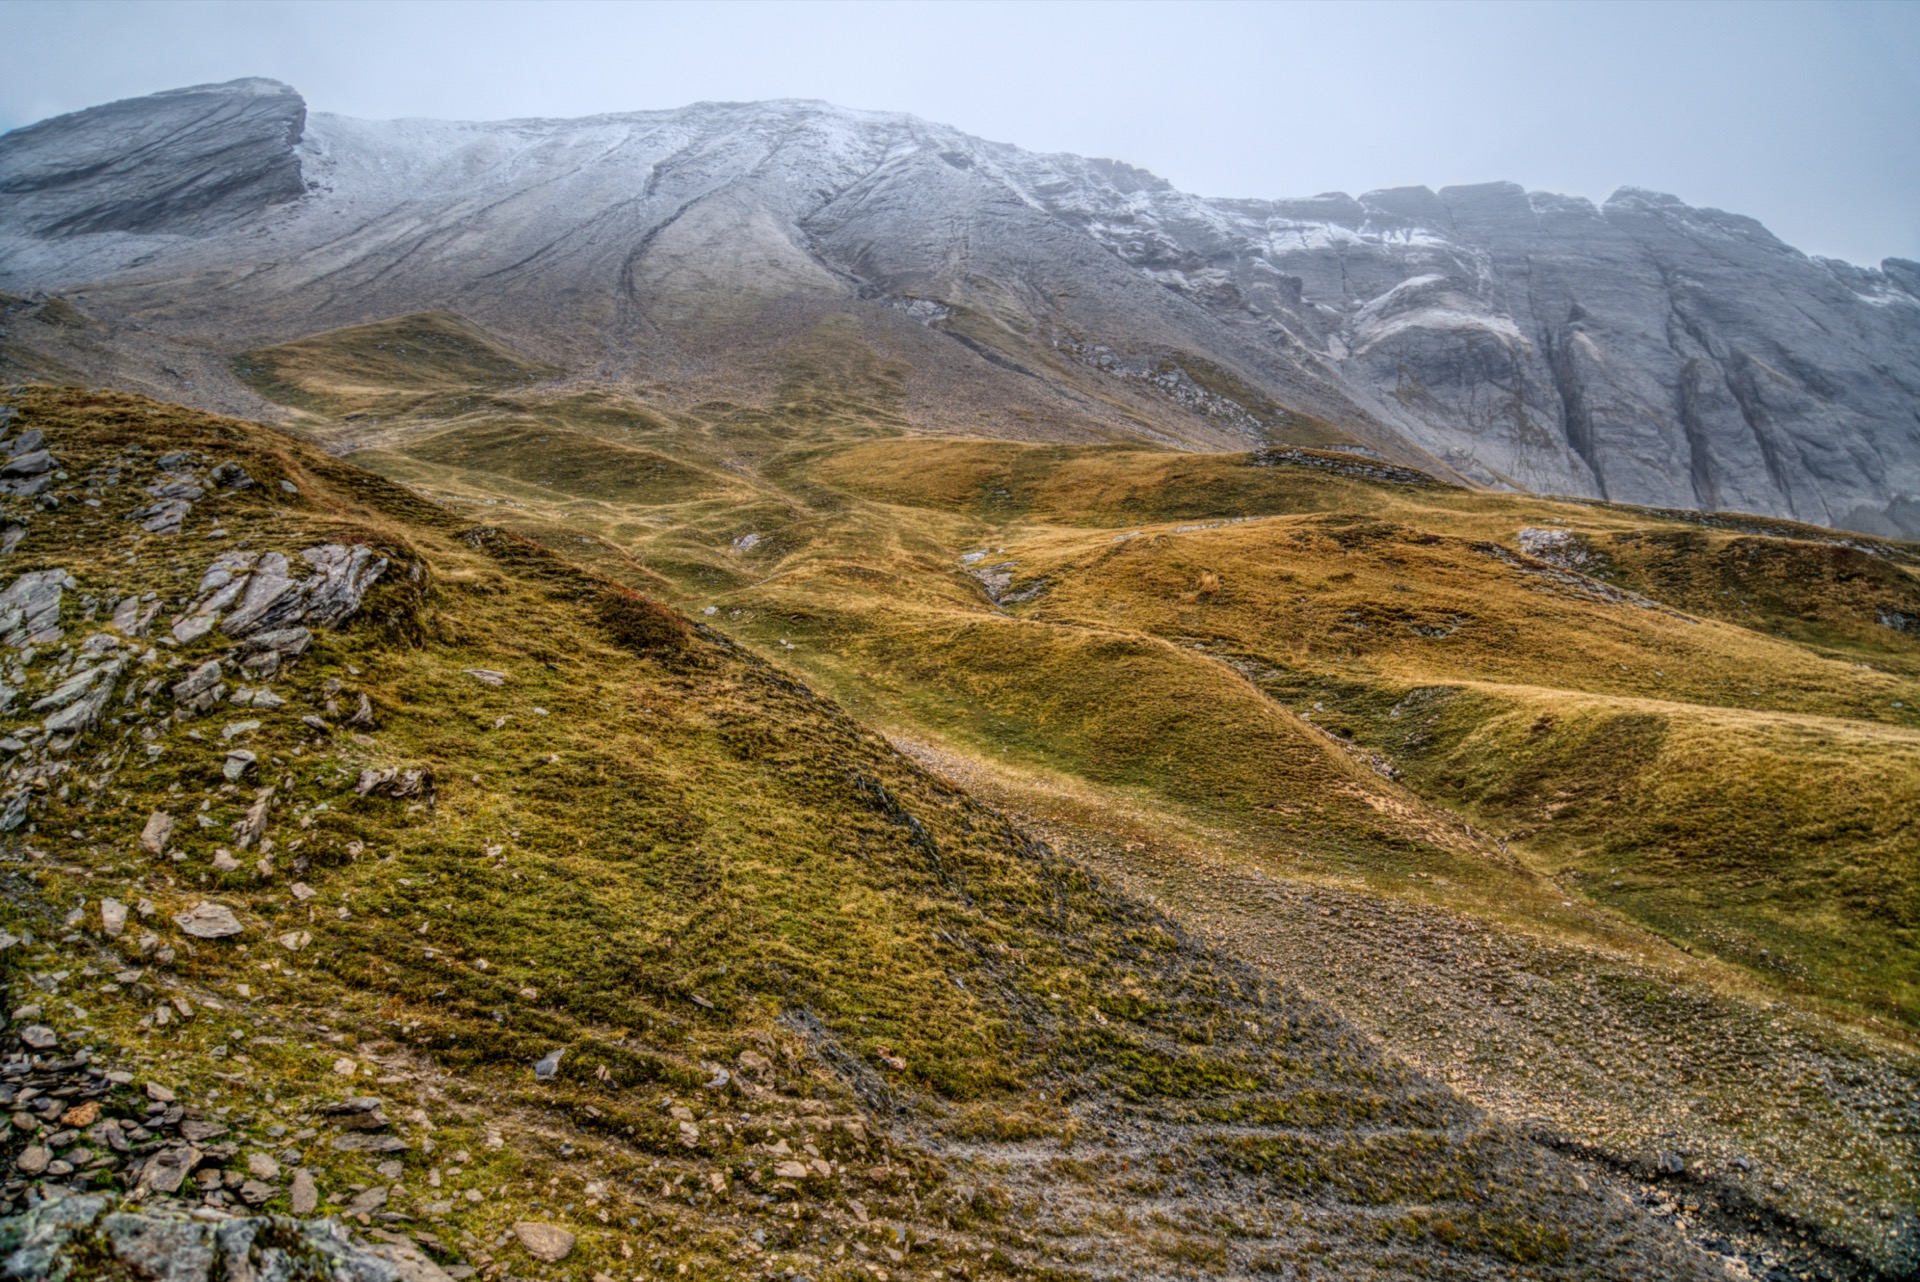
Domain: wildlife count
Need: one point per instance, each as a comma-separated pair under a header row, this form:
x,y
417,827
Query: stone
x,y
256,1192
81,1115
233,730
792,1170
366,1143
345,574
39,1037
32,463
159,1094
223,861
209,921
159,830
410,1264
168,1169
394,781
199,689
361,1113
199,1131
83,712
33,1160
238,763
30,607
548,1066
262,1166
486,676
303,1196
547,1243
368,1201
253,825
754,1062
166,516
230,476
266,600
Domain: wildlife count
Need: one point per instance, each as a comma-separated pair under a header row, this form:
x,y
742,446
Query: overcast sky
x,y
1806,116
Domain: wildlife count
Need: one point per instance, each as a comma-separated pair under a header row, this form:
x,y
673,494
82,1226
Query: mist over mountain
x,y
1641,350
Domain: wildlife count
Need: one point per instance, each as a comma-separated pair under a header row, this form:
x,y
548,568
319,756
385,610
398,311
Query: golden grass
x,y
1244,674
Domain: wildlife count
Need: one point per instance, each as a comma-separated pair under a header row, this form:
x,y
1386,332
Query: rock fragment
x,y
304,1195
159,830
548,1243
209,921
168,1169
201,688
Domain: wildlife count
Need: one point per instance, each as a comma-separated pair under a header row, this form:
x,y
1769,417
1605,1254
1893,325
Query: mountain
x,y
768,705
1641,351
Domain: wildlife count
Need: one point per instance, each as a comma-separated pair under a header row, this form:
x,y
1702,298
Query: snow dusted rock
x,y
182,163
1641,349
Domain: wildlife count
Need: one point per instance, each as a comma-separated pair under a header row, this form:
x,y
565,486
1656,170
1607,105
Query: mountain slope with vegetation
x,y
396,864
1661,751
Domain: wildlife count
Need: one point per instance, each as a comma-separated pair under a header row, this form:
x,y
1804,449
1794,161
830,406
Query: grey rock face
x,y
184,162
170,1245
1640,350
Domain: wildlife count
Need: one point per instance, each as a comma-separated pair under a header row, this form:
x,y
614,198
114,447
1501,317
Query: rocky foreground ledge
x,y
86,1236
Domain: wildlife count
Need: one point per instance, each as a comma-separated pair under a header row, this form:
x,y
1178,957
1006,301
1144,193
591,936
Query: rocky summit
x,y
770,692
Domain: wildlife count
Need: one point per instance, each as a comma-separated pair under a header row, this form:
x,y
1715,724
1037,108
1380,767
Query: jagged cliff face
x,y
1642,350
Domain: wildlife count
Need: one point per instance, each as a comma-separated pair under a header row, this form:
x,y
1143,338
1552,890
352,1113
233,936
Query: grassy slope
x,y
656,853
1359,625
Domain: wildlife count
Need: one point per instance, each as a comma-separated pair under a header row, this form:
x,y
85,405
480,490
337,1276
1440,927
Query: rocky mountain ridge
x,y
1641,350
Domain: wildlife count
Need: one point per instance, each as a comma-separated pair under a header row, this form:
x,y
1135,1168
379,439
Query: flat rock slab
x,y
209,921
548,1243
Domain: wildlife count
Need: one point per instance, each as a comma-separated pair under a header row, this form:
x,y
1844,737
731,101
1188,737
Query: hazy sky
x,y
1806,116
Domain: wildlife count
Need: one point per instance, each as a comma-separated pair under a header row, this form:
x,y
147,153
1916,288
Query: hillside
x,y
629,933
1599,816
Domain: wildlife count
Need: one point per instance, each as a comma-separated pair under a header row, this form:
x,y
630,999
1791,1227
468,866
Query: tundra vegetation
x,y
754,839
